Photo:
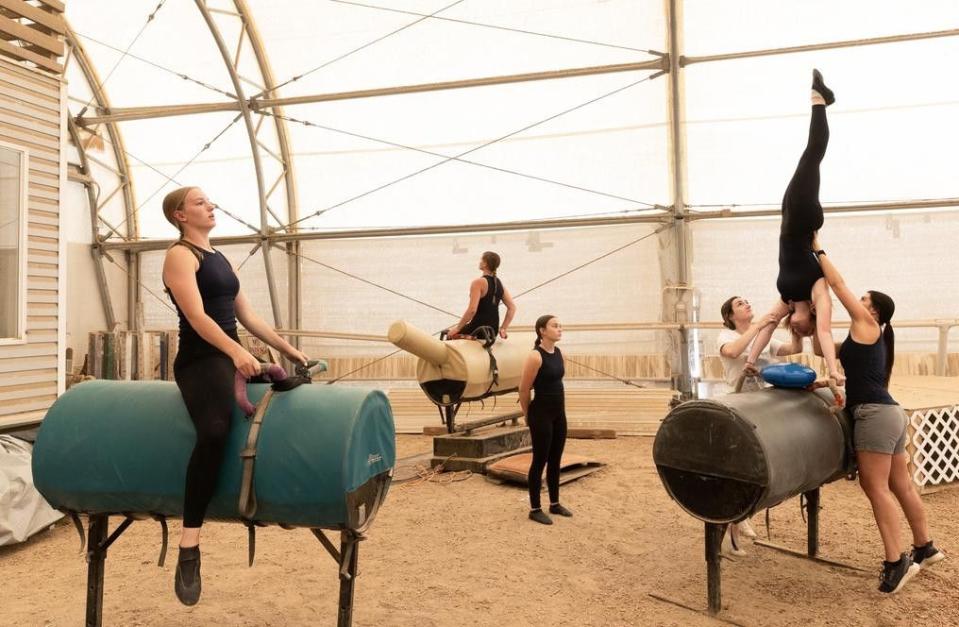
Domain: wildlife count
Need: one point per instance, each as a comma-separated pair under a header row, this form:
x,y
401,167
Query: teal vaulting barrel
x,y
324,457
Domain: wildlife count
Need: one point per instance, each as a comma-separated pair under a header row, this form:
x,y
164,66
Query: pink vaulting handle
x,y
272,372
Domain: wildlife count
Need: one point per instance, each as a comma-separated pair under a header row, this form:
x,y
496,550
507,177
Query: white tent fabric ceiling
x,y
893,130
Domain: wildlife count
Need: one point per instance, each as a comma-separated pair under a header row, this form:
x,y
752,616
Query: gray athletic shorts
x,y
880,428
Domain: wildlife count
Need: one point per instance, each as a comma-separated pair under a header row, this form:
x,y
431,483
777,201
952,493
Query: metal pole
x,y
494,227
679,275
295,290
257,104
943,352
255,151
714,540
349,552
824,46
133,288
95,250
812,522
96,558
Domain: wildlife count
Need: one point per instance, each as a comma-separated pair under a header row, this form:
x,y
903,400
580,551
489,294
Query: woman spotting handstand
x,y
802,288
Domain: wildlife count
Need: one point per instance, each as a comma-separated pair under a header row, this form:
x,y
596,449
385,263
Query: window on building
x,y
13,243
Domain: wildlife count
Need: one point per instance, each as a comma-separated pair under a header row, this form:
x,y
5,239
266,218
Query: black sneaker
x,y
540,516
926,555
821,88
186,582
895,574
559,510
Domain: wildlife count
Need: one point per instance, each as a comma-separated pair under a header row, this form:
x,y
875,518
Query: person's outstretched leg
x,y
802,212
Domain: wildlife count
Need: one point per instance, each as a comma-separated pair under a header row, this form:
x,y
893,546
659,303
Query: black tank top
x,y
218,287
865,366
487,311
798,268
549,379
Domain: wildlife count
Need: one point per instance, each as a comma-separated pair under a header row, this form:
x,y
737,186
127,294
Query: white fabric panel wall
x,y
909,256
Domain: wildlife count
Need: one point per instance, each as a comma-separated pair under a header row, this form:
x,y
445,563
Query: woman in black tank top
x,y
880,430
486,293
804,296
209,302
543,374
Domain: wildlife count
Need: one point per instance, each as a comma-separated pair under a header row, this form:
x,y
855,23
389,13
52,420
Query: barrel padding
x,y
116,447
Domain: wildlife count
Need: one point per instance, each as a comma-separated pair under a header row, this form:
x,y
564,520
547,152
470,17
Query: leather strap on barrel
x,y
247,506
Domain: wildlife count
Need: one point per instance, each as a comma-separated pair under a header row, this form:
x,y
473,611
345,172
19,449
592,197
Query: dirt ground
x,y
465,554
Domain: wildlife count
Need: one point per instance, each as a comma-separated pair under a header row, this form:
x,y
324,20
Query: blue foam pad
x,y
788,375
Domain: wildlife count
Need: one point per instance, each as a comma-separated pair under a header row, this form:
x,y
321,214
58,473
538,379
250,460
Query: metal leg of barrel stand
x,y
812,498
349,554
714,539
812,522
96,558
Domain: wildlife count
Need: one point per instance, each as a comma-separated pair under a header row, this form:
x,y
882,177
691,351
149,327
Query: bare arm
x,y
863,326
817,349
530,367
823,302
793,348
255,325
735,348
777,313
476,292
179,275
510,312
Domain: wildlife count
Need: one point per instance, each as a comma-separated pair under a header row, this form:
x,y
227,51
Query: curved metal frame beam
x,y
294,308
95,250
269,83
125,184
116,139
255,150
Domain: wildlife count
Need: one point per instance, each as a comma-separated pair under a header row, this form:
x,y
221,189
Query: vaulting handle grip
x,y
273,372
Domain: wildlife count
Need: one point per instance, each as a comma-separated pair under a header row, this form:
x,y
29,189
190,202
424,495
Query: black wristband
x,y
819,252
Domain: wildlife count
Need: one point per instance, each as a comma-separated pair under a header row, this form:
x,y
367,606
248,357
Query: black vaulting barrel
x,y
723,459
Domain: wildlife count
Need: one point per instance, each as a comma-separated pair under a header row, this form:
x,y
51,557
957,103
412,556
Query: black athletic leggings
x,y
206,382
547,428
801,211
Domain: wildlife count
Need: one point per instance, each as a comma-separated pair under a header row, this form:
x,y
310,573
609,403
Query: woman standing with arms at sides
x,y
486,293
543,373
209,302
880,429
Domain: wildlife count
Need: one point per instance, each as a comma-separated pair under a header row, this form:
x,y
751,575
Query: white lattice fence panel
x,y
934,435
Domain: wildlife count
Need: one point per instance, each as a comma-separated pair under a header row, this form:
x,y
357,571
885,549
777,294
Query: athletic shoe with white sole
x,y
895,574
926,555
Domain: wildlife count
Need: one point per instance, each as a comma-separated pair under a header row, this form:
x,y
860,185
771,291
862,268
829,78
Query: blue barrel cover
x,y
123,447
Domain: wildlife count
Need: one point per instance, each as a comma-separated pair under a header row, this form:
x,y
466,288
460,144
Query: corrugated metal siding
x,y
30,119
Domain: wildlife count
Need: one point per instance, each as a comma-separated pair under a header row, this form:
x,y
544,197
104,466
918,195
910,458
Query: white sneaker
x,y
745,529
730,546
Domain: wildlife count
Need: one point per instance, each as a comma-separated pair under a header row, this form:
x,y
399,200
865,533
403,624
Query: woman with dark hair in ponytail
x,y
879,435
486,293
543,373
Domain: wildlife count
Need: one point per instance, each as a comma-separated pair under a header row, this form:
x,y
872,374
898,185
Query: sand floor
x,y
465,554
